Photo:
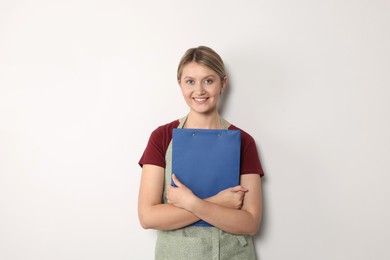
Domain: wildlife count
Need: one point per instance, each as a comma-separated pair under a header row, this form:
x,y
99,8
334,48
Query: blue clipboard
x,y
207,161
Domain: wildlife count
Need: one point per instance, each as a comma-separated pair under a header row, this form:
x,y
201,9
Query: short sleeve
x,y
154,152
157,145
250,162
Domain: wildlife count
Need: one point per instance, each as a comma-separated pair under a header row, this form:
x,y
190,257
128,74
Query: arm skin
x,y
153,214
237,221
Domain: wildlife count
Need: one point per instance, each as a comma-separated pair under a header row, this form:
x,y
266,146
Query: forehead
x,y
194,69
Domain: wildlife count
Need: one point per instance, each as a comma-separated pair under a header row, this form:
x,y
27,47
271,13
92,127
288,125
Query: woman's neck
x,y
195,120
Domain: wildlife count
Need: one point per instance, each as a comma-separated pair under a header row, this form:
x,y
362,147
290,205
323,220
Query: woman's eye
x,y
190,81
208,81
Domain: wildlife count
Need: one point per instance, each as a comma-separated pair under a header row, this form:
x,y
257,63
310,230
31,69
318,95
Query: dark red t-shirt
x,y
161,137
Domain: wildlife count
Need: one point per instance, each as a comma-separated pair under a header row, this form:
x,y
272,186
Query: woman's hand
x,y
231,197
180,196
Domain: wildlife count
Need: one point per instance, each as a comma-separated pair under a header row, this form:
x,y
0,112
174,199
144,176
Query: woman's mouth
x,y
200,100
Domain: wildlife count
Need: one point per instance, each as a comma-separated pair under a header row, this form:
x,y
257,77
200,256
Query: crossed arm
x,y
235,210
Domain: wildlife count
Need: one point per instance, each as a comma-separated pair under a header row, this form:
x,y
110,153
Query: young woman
x,y
234,213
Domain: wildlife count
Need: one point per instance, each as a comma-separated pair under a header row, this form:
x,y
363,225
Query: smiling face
x,y
201,88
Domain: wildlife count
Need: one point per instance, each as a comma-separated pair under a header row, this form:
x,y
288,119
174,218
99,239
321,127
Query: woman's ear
x,y
224,84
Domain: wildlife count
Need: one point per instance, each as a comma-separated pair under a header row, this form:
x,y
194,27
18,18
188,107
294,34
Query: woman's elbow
x,y
144,224
145,221
253,228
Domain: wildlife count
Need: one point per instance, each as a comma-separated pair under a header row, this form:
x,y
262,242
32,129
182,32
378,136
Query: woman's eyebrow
x,y
191,77
210,75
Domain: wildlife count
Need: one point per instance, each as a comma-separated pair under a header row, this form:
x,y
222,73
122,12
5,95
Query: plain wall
x,y
84,83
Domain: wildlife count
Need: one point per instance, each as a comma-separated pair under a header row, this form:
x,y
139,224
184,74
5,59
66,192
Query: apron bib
x,y
197,242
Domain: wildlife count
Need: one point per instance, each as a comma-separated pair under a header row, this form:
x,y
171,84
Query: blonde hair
x,y
205,56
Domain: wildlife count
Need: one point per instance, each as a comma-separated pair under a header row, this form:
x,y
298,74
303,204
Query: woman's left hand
x,y
180,196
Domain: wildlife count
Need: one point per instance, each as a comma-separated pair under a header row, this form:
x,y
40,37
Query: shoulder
x,y
166,130
157,145
246,138
162,135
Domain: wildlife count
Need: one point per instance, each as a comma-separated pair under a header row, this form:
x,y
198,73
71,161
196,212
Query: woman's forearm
x,y
224,207
235,221
166,217
169,217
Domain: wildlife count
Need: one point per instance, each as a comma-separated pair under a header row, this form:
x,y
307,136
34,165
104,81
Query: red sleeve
x,y
250,162
157,145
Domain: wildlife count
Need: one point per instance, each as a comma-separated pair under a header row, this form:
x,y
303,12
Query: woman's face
x,y
201,87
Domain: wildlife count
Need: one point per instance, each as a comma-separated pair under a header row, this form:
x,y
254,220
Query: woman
x,y
234,213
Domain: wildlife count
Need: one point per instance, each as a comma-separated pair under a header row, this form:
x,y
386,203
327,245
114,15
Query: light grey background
x,y
83,84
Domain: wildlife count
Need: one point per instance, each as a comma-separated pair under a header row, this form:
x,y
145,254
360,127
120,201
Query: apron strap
x,y
182,121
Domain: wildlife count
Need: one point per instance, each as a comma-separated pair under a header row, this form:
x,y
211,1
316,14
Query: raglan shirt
x,y
161,137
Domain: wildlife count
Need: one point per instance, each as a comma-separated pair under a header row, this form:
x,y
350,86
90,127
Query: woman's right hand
x,y
231,197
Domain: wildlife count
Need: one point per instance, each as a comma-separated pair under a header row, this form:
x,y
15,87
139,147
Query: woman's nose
x,y
199,88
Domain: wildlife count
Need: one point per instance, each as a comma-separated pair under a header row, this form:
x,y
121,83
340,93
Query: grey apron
x,y
197,242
